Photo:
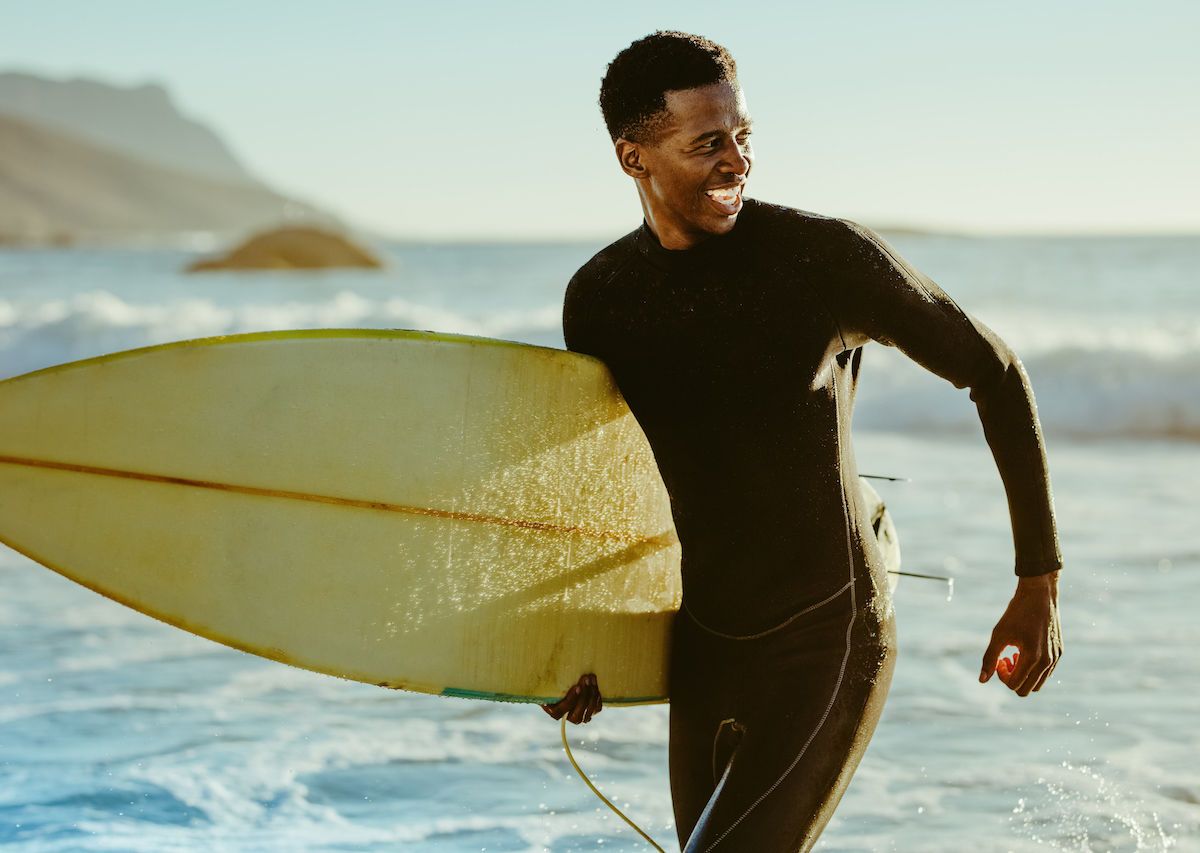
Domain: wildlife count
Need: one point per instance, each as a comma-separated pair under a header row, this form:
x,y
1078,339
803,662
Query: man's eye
x,y
716,142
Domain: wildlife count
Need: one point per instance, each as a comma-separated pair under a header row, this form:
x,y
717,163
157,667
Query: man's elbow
x,y
996,366
1000,374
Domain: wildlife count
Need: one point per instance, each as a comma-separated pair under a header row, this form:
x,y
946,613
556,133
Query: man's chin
x,y
718,225
721,209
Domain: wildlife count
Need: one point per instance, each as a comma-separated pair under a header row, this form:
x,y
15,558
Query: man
x,y
735,331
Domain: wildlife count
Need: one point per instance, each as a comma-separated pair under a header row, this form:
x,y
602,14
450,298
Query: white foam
x,y
96,322
1077,807
1087,381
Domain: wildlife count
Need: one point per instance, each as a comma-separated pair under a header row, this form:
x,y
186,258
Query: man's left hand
x,y
1031,624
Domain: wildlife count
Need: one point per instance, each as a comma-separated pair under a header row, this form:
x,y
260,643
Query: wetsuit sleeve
x,y
889,301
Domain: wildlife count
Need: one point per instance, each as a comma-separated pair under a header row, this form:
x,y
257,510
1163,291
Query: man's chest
x,y
743,322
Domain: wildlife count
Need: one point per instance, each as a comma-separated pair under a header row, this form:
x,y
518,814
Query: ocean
x,y
118,732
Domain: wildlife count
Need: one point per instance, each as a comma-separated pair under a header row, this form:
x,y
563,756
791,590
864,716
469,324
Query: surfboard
x,y
436,513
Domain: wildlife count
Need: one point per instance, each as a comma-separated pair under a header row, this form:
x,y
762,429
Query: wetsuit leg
x,y
703,699
767,732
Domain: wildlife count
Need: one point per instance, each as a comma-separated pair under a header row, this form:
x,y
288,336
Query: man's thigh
x,y
792,756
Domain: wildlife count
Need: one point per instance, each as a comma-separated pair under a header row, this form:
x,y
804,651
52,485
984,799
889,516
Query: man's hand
x,y
1031,624
581,702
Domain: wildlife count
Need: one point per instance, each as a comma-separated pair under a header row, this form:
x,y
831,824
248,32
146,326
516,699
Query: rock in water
x,y
292,248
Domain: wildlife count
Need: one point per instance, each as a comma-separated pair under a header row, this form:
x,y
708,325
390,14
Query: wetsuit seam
x,y
782,624
849,634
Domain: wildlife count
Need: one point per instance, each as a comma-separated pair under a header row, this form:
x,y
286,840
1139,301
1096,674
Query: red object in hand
x,y
1006,666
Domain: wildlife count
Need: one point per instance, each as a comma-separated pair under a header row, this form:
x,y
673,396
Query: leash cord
x,y
583,776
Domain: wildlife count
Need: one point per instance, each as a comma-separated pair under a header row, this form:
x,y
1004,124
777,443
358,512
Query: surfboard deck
x,y
430,512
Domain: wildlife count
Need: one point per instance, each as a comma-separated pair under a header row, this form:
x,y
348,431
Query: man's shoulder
x,y
607,262
841,244
794,220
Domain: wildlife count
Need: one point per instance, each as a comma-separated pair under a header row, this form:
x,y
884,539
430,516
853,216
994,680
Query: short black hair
x,y
633,91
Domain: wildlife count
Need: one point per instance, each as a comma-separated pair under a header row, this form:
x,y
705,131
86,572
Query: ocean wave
x,y
41,334
1121,386
1094,376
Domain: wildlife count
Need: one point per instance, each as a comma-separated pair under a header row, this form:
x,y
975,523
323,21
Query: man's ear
x,y
629,155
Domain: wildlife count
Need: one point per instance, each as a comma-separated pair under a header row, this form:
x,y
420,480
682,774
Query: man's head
x,y
679,125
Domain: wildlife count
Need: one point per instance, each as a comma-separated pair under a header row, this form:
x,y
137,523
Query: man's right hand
x,y
580,702
1031,624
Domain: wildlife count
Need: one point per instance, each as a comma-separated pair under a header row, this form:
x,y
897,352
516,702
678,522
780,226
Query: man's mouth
x,y
727,199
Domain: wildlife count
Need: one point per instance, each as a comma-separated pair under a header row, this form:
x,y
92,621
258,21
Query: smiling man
x,y
735,330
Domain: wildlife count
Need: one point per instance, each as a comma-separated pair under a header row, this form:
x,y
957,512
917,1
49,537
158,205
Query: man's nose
x,y
736,161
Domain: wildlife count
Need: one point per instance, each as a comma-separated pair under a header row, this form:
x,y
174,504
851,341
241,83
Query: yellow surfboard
x,y
436,513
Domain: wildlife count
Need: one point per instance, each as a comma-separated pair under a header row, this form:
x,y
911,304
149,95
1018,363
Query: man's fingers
x,y
576,713
580,703
1021,672
583,700
1028,671
990,658
1025,687
1045,675
593,699
585,704
589,700
563,705
1049,669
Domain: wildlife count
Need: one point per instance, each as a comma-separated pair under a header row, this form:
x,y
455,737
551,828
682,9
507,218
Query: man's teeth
x,y
723,196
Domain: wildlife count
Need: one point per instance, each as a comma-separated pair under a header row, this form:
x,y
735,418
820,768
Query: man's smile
x,y
726,199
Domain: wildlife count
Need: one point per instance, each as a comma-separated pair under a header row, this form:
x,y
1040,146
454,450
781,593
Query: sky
x,y
456,120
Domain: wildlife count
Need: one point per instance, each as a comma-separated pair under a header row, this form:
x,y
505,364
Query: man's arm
x,y
877,295
583,700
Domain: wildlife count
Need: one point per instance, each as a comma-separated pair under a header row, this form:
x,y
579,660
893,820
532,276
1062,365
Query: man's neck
x,y
669,236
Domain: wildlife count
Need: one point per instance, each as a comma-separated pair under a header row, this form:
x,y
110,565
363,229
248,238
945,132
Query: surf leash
x,y
916,575
595,791
949,581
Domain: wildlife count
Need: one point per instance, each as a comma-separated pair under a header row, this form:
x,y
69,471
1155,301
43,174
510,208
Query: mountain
x,y
54,185
140,121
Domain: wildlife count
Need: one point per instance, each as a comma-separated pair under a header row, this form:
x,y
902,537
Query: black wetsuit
x,y
739,358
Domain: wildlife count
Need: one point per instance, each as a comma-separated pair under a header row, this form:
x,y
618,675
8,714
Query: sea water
x,y
120,733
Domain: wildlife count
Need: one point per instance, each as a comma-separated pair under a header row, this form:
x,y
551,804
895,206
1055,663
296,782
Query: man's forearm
x,y
1008,413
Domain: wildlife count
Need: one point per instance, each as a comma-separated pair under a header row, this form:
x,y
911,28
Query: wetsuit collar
x,y
706,250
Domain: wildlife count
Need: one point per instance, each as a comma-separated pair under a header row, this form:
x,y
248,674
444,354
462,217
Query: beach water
x,y
121,733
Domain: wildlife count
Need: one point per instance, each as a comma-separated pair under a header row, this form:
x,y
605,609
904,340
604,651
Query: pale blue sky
x,y
480,119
